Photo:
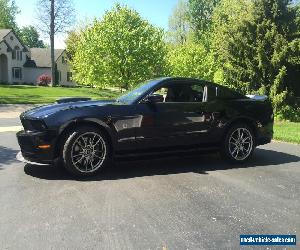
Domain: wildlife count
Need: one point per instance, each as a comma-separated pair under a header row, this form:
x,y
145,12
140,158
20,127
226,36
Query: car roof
x,y
163,79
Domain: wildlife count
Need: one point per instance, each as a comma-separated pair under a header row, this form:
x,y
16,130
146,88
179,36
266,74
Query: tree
x,y
232,43
200,14
31,37
8,12
71,42
253,42
121,49
191,60
54,16
73,37
179,23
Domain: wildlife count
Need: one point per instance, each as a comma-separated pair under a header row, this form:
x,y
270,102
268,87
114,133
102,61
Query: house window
x,y
17,73
13,54
59,75
69,76
17,54
63,60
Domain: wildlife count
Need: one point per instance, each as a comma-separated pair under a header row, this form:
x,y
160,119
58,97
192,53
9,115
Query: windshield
x,y
135,94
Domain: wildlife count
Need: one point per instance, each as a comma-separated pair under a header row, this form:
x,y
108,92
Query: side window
x,y
210,93
225,93
161,91
196,94
181,92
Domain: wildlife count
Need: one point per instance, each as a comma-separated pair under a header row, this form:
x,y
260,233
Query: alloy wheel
x,y
240,144
88,152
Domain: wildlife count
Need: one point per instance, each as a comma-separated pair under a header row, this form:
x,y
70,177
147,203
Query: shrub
x,y
288,113
44,80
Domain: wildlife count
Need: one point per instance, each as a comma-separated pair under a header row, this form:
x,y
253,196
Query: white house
x,y
20,64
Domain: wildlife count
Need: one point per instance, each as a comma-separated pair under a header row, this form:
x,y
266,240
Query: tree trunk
x,y
52,45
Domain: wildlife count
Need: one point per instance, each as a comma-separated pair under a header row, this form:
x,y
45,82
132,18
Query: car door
x,y
181,120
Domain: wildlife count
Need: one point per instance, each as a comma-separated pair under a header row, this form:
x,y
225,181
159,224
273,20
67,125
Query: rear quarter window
x,y
225,93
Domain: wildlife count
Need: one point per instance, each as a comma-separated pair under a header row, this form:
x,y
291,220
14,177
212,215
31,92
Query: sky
x,y
156,12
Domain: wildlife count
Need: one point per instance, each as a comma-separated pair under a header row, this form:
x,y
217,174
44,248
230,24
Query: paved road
x,y
175,203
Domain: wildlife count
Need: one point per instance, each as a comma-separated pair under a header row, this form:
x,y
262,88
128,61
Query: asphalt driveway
x,y
196,202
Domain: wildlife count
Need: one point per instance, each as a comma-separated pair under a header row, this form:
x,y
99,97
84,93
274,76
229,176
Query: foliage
x,y
190,60
72,41
121,50
252,43
231,43
179,23
31,37
44,80
8,12
200,14
288,112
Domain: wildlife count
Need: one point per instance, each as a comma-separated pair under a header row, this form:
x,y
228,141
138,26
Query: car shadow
x,y
7,156
132,168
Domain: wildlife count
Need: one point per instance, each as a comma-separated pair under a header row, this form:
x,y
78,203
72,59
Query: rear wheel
x,y
239,143
86,151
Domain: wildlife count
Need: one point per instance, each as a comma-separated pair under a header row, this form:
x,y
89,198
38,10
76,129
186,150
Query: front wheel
x,y
85,151
239,143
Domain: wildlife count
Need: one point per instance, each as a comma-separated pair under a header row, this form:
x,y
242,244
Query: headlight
x,y
38,125
34,125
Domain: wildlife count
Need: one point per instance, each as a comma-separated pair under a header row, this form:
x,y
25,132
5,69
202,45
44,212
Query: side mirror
x,y
153,99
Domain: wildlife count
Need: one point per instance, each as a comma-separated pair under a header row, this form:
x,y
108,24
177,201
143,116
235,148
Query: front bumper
x,y
30,141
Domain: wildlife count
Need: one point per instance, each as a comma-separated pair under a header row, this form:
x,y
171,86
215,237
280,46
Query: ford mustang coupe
x,y
160,116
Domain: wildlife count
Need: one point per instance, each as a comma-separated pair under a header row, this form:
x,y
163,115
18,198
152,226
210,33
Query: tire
x,y
86,151
239,143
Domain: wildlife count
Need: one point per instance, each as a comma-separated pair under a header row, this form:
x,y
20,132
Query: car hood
x,y
47,110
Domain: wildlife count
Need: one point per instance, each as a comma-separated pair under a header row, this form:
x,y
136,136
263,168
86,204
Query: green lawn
x,y
287,131
23,94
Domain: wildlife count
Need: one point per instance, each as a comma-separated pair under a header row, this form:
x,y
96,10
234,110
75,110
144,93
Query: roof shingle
x,y
3,33
42,57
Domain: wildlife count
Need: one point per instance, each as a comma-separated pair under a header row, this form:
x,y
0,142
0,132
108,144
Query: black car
x,y
160,116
